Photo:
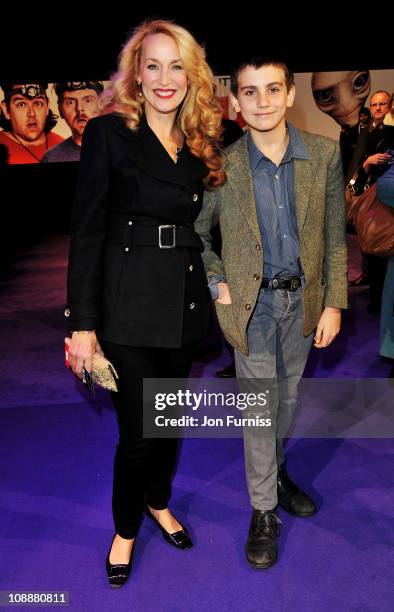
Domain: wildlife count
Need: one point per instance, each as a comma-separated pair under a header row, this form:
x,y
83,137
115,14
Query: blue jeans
x,y
278,350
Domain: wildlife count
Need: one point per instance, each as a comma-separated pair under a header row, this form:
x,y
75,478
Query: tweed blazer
x,y
320,210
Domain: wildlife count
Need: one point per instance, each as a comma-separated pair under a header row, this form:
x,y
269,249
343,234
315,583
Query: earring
x,y
140,95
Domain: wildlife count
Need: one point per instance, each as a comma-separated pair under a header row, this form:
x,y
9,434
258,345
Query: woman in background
x,y
385,193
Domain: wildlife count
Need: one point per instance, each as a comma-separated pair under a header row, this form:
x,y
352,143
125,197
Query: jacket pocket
x,y
226,318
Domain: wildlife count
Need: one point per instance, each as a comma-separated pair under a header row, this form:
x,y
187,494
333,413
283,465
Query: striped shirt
x,y
274,195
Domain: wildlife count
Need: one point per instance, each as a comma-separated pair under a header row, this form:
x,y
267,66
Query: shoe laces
x,y
266,522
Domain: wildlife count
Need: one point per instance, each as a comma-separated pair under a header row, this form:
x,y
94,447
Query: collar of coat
x,y
146,151
239,176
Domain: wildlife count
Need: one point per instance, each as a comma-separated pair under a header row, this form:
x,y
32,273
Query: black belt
x,y
165,236
288,284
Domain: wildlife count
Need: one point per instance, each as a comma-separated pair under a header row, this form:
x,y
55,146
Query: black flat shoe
x,y
179,539
118,573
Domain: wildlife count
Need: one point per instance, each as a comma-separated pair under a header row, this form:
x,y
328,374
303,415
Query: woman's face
x,y
341,94
162,75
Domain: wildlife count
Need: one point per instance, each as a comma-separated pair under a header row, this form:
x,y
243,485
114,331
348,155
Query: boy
x,y
282,273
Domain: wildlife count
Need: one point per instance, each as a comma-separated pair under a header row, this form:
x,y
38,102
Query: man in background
x,y
369,162
27,122
77,103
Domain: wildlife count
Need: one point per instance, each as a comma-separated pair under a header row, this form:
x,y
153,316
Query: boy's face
x,y
262,97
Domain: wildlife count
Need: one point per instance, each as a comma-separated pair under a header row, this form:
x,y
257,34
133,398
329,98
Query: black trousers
x,y
376,274
143,468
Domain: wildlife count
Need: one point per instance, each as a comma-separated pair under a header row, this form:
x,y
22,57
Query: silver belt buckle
x,y
167,246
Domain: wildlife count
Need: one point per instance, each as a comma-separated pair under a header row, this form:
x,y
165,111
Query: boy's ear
x,y
234,103
291,96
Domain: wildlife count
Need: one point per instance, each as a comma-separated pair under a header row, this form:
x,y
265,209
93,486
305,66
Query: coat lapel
x,y
303,182
241,181
304,179
240,178
145,150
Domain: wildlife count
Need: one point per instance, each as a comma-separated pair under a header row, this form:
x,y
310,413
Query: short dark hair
x,y
61,88
258,62
8,89
365,111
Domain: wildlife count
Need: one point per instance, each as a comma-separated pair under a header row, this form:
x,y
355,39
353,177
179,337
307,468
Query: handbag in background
x,y
374,223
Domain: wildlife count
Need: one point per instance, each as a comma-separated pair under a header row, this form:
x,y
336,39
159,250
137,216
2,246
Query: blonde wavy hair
x,y
390,105
200,116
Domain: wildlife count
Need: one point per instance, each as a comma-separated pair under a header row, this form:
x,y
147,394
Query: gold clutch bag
x,y
104,373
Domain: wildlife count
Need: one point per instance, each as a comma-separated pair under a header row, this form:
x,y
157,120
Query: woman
x,y
389,118
375,159
385,193
136,283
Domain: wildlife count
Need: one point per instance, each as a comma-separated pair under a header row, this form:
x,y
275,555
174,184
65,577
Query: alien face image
x,y
341,94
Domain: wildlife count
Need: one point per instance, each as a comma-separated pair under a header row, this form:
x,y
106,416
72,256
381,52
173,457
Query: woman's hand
x,y
376,160
81,350
224,296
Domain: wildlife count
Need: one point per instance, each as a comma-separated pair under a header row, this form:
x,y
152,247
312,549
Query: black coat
x,y
135,295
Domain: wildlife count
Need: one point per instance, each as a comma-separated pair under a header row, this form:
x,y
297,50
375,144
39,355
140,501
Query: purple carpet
x,y
56,470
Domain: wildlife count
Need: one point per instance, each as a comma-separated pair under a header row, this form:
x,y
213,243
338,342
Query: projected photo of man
x,y
341,94
27,122
77,103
